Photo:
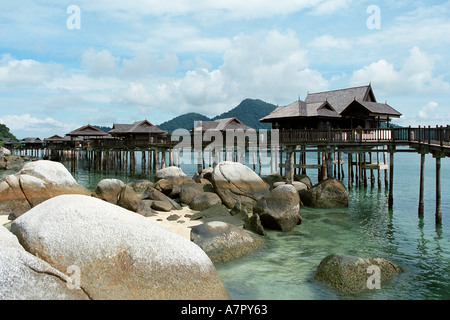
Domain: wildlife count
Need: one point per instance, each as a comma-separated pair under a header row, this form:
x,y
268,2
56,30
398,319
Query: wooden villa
x,y
340,109
220,124
32,143
140,133
87,135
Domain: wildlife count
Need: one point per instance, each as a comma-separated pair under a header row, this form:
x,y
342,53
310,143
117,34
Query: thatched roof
x,y
137,127
31,141
377,108
332,104
87,131
221,125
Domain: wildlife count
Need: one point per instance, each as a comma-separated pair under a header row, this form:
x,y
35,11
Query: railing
x,y
335,135
424,135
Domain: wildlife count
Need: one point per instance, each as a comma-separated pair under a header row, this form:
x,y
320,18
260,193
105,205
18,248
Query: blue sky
x,y
135,60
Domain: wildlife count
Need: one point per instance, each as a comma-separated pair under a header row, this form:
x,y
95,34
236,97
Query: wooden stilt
x,y
422,183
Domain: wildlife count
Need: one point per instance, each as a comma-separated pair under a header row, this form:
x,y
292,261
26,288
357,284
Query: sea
x,y
284,268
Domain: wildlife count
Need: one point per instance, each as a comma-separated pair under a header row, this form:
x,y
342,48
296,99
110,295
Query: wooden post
x,y
391,178
330,165
422,183
438,190
324,165
350,169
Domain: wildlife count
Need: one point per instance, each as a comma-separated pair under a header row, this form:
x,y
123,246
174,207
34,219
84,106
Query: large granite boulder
x,y
120,254
35,183
235,182
170,173
26,277
189,190
204,201
153,194
352,274
330,193
108,190
224,242
279,210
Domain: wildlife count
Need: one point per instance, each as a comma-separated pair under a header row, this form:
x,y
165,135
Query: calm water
x,y
285,267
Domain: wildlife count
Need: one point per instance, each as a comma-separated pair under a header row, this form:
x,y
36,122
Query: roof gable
x,y
340,99
88,131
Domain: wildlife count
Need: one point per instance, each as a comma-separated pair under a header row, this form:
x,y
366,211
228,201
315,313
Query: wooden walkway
x,y
289,146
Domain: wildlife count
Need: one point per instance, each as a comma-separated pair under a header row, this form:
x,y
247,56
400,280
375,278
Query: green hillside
x,y
249,112
185,121
4,133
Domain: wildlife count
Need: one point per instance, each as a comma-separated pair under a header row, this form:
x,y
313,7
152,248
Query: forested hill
x,y
5,133
185,121
248,111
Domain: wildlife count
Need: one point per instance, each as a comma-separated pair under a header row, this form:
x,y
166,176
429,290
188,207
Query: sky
x,y
65,64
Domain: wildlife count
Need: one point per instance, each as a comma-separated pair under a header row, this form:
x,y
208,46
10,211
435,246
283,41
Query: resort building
x,y
220,124
140,133
340,109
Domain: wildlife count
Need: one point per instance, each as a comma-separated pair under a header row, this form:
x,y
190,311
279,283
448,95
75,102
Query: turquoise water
x,y
284,268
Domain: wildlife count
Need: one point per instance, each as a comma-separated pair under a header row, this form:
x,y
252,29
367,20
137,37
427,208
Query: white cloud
x,y
330,6
27,72
230,8
326,42
415,76
429,111
99,63
25,125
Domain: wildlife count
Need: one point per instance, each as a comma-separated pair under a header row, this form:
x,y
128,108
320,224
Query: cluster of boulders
x,y
11,162
135,258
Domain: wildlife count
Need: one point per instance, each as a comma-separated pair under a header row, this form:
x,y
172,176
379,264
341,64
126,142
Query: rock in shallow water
x,y
223,242
351,274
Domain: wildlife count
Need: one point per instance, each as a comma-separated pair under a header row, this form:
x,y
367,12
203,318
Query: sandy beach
x,y
181,226
3,220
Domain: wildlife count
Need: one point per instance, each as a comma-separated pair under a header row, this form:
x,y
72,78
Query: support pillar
x,y
422,183
438,190
391,178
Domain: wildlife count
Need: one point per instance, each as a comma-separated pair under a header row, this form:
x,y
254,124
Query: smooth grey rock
x,y
121,255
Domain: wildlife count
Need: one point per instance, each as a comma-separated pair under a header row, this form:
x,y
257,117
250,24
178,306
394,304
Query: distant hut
x,y
57,141
340,109
32,143
140,133
9,143
220,124
87,135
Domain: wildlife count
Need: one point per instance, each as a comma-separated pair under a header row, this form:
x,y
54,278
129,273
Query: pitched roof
x,y
302,109
137,127
340,99
331,104
378,108
221,124
31,140
87,131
